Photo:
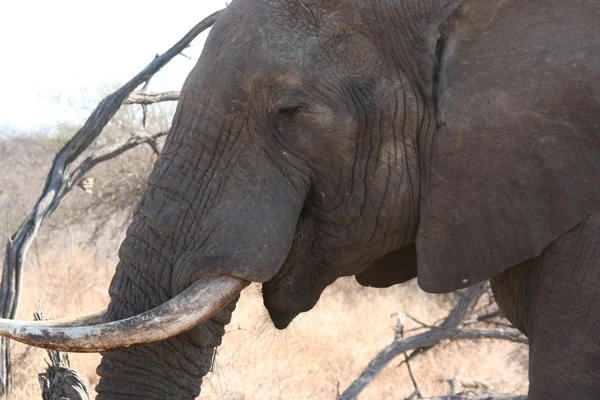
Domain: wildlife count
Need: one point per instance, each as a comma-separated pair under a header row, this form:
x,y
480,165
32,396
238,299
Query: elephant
x,y
452,141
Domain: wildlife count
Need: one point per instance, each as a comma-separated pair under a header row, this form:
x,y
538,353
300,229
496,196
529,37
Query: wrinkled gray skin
x,y
315,139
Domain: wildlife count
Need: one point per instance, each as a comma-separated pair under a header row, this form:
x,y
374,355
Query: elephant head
x,y
315,140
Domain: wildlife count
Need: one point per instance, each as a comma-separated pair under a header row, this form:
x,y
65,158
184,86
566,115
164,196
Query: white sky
x,y
59,57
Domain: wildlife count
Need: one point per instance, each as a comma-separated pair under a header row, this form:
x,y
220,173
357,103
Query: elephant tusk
x,y
194,305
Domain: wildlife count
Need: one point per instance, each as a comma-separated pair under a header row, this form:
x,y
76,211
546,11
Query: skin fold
x,y
455,141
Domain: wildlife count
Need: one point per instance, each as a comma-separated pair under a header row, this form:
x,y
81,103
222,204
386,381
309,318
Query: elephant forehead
x,y
263,34
245,45
349,50
264,26
263,44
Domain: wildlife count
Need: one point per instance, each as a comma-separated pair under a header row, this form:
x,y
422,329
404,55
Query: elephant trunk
x,y
169,369
209,212
159,259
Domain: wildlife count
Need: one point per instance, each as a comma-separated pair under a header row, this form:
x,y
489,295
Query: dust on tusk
x,y
194,305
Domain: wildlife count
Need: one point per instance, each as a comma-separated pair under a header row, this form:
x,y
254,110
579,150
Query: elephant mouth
x,y
297,285
273,295
281,320
87,334
285,300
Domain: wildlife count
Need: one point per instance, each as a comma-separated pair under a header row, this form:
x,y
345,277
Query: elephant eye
x,y
288,111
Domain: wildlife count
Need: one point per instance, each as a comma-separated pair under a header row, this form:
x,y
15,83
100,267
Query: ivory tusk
x,y
194,305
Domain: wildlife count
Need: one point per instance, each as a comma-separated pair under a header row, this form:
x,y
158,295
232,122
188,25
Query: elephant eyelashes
x,y
288,111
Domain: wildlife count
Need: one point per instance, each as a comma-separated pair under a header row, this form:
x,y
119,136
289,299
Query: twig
x,y
148,98
423,324
399,335
154,147
415,353
144,106
479,385
413,395
337,392
417,391
450,329
19,242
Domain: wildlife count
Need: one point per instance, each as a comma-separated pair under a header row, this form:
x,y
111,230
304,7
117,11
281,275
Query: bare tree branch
x,y
105,154
19,242
450,329
414,354
147,98
510,334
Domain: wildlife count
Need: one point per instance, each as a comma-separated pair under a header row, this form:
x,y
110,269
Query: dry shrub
x,y
117,184
24,162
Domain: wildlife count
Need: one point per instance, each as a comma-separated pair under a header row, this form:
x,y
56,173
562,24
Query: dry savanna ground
x,y
330,344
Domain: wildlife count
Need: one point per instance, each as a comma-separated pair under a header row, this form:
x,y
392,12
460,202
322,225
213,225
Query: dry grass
x,y
56,280
330,344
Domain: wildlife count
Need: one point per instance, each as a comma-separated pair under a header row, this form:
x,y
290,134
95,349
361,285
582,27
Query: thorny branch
x,y
59,183
452,328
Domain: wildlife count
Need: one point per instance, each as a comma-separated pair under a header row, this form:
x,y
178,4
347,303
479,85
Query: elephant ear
x,y
515,160
393,268
422,24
